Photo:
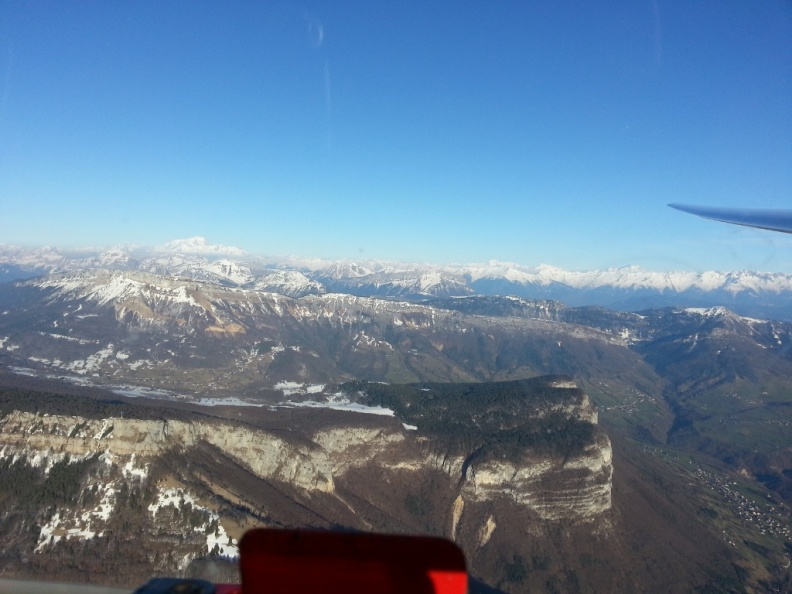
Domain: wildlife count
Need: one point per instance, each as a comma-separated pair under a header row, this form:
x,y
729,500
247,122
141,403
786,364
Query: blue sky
x,y
534,132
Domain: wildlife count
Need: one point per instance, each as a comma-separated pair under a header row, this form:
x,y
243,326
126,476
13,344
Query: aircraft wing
x,y
772,220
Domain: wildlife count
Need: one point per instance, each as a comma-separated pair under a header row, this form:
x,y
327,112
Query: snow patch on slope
x,y
341,402
217,540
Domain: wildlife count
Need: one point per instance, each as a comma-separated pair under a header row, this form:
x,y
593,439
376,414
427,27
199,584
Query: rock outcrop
x,y
479,464
550,486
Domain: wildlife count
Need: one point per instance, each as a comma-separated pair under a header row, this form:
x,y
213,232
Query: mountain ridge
x,y
629,288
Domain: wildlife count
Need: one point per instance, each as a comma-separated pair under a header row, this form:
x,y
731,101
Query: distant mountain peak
x,y
199,245
718,312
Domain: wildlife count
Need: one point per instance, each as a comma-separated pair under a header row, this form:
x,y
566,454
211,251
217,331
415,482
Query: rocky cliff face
x,y
196,483
556,490
266,455
552,487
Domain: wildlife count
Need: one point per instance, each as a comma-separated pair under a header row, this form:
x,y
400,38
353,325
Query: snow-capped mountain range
x,y
759,294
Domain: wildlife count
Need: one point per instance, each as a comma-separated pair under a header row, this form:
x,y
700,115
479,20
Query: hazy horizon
x,y
317,261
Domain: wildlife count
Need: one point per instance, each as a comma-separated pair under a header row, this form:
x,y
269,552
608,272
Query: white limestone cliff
x,y
554,488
